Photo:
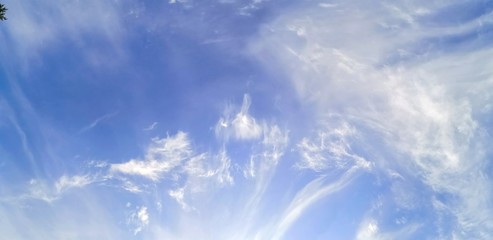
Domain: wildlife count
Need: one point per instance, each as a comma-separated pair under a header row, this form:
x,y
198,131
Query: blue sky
x,y
256,119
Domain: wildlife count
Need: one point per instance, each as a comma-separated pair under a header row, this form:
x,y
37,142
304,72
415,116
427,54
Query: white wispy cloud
x,y
179,196
161,157
368,230
310,194
331,147
44,190
139,219
259,171
250,7
151,127
243,126
174,157
96,122
40,190
275,142
210,179
131,187
208,173
205,174
67,182
223,169
10,117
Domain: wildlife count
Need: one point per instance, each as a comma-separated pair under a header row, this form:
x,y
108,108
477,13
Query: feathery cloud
x,y
161,157
139,219
242,127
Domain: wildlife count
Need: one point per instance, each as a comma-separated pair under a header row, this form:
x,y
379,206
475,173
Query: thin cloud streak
x,y
96,122
310,194
151,127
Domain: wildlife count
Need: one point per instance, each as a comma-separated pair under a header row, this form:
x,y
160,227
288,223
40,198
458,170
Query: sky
x,y
251,119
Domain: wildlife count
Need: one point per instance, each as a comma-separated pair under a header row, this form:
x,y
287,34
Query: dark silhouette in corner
x,y
3,10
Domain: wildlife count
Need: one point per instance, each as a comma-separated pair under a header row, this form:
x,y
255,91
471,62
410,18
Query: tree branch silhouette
x,y
3,10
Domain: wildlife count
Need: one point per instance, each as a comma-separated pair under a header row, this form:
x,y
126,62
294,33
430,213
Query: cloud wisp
x,y
96,122
242,127
310,194
162,156
151,127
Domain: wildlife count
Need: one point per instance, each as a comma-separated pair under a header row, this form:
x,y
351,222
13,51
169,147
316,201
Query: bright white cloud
x,y
368,230
143,216
68,182
139,219
179,196
243,126
330,148
174,157
161,157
